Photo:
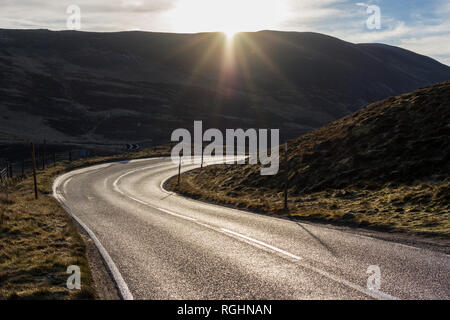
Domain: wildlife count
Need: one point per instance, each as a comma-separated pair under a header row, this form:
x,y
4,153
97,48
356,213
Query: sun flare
x,y
227,16
230,33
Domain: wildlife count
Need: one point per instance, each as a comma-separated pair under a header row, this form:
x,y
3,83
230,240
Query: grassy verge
x,y
385,166
421,208
38,240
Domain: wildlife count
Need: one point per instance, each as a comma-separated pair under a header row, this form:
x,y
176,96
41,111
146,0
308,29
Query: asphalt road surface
x,y
164,246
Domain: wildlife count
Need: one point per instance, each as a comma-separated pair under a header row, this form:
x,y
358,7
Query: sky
x,y
422,26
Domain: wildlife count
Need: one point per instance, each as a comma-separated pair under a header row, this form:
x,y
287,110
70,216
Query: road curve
x,y
163,246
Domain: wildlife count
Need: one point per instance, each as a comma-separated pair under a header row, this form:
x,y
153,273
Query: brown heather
x,y
385,166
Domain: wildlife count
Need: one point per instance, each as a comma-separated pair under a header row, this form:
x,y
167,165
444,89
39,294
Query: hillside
x,y
385,165
84,87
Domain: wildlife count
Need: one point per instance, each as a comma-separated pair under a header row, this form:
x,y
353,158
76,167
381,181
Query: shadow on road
x,y
330,250
165,197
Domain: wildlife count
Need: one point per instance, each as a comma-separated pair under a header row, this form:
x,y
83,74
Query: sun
x,y
227,16
230,33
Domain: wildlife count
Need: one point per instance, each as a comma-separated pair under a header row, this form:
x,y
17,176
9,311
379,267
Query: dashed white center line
x,y
65,184
262,244
176,214
249,240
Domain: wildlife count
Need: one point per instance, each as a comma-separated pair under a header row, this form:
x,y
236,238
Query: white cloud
x,y
428,33
435,46
99,15
365,35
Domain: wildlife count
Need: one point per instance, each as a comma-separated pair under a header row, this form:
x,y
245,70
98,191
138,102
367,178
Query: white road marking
x,y
176,214
262,244
372,239
123,288
116,182
65,184
406,246
374,294
371,293
206,162
121,284
360,236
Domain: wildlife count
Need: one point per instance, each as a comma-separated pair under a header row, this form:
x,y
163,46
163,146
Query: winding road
x,y
159,245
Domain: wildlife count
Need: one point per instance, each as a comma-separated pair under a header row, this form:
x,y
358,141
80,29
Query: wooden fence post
x,y
33,159
43,155
286,168
201,165
179,172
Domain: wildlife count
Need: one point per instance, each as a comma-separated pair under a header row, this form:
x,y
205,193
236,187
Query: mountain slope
x,y
128,86
387,164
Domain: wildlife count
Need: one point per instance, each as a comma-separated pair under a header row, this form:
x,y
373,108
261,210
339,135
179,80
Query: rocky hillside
x,y
387,164
139,86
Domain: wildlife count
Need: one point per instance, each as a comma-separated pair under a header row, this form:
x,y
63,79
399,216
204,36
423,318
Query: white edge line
x,y
370,293
205,164
273,217
121,284
124,291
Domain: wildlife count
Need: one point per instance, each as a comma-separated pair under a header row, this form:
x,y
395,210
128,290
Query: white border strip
x,y
122,286
120,282
371,293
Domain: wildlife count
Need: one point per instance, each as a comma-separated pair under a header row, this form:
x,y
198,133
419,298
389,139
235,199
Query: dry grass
x,y
386,166
422,208
38,243
38,240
